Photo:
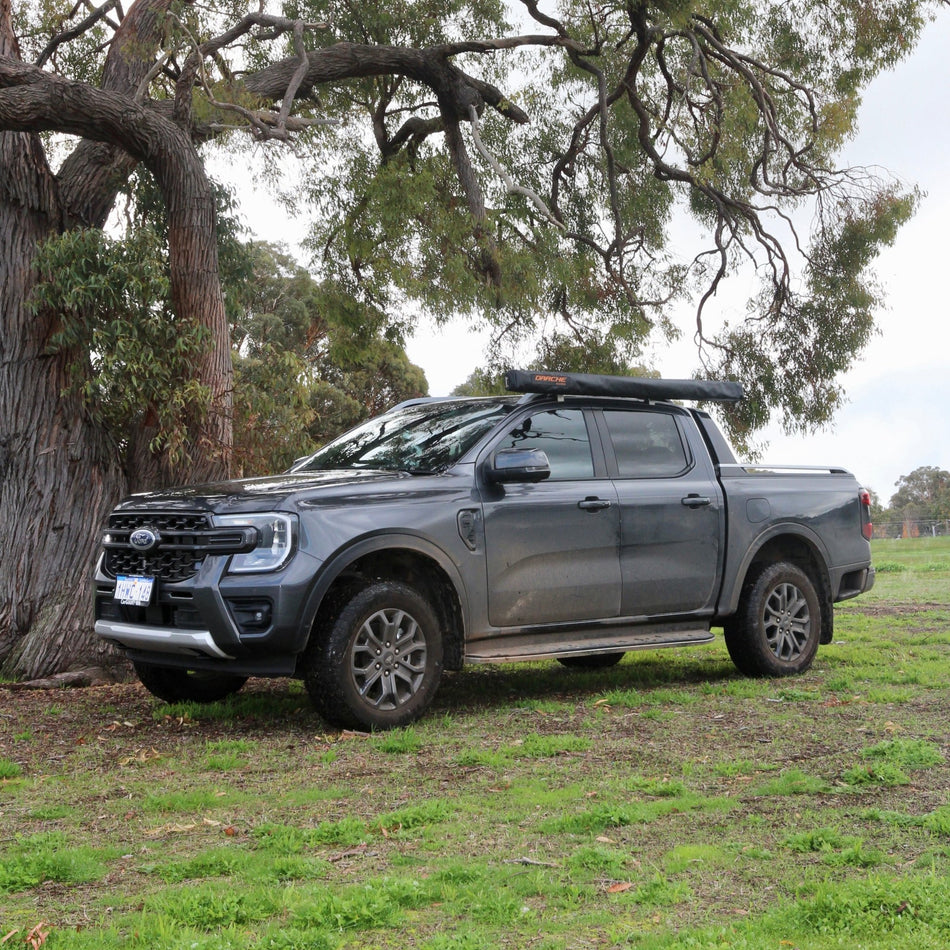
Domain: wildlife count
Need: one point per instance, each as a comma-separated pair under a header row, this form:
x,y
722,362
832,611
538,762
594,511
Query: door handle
x,y
697,501
593,504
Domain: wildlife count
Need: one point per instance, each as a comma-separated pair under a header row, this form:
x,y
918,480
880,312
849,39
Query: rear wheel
x,y
379,663
591,661
776,629
197,686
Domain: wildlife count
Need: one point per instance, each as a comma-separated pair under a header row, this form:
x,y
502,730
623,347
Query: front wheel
x,y
195,686
379,663
776,629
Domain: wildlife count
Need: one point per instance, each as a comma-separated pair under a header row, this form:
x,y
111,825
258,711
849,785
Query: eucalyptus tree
x,y
522,165
922,495
309,362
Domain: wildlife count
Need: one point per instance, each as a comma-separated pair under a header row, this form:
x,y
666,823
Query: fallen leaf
x,y
169,829
37,936
619,887
140,757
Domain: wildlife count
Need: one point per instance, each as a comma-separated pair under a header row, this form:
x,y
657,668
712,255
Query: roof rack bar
x,y
637,387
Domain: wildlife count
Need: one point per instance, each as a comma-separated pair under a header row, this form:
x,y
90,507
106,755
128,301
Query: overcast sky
x,y
899,413
898,417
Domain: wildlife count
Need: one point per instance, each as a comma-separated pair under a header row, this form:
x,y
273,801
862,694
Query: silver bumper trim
x,y
160,639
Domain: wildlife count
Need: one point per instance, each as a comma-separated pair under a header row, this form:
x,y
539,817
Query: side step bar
x,y
545,646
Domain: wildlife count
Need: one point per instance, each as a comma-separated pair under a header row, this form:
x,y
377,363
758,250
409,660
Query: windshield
x,y
419,439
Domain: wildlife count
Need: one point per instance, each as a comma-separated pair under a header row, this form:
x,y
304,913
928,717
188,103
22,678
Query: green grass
x,y
664,803
921,566
50,858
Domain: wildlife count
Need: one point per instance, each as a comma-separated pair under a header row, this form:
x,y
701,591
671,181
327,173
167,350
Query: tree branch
x,y
510,183
90,21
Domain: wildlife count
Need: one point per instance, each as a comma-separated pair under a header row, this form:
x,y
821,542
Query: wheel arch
x,y
797,545
413,561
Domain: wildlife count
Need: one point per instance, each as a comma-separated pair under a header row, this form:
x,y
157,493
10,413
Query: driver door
x,y
553,547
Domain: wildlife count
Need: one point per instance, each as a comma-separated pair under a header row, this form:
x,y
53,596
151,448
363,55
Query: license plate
x,y
133,590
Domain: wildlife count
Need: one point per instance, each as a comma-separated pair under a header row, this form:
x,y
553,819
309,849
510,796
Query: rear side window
x,y
646,444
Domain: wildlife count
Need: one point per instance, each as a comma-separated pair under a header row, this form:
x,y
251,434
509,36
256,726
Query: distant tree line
x,y
921,504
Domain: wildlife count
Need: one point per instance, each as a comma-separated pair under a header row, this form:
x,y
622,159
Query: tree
x,y
309,363
923,495
878,511
527,176
568,355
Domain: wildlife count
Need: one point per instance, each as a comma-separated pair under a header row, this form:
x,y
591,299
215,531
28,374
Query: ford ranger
x,y
584,518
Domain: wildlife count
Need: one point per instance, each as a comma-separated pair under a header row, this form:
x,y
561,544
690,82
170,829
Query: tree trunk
x,y
59,471
56,477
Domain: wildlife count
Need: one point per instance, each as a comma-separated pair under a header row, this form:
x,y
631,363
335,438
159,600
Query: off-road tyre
x,y
776,630
378,663
591,661
175,685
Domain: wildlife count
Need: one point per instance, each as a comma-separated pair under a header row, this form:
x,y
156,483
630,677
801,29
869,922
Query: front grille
x,y
178,556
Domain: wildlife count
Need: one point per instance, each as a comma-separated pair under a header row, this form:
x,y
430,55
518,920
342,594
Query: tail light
x,y
867,528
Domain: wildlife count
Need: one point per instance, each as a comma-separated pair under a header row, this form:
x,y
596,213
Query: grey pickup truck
x,y
588,516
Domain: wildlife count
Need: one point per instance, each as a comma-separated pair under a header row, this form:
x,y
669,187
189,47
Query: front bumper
x,y
131,636
248,620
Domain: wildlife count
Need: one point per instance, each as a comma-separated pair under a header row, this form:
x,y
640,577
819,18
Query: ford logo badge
x,y
144,539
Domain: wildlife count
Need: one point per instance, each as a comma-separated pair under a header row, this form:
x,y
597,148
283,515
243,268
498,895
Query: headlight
x,y
277,533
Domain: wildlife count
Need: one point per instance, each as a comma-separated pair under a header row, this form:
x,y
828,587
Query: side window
x,y
562,435
646,444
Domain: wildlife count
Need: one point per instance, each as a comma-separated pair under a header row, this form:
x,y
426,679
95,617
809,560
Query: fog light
x,y
251,616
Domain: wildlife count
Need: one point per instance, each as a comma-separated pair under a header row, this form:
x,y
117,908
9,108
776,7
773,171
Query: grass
x,y
663,804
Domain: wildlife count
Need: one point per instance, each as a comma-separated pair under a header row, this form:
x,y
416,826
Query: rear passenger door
x,y
671,513
552,547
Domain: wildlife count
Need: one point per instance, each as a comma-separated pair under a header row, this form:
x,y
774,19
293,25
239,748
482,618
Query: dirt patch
x,y
125,717
897,609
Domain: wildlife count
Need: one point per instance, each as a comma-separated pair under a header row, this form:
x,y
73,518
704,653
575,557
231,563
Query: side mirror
x,y
518,465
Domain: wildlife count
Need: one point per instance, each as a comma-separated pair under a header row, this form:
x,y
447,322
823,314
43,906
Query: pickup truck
x,y
586,517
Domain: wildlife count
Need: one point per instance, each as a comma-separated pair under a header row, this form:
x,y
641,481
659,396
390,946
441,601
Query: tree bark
x,y
56,476
59,472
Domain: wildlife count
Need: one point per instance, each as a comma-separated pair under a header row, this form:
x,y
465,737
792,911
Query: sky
x,y
898,416
898,413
